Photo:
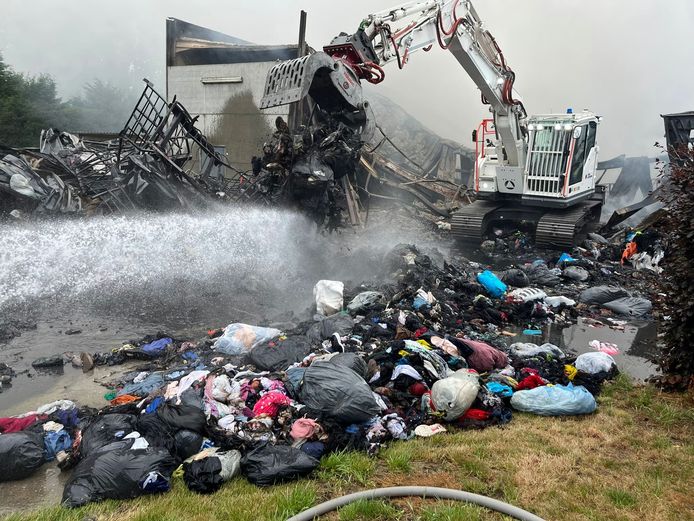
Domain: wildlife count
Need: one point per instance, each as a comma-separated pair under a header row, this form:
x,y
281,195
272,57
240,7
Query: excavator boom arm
x,y
450,24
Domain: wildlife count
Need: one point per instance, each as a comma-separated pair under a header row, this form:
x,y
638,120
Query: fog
x,y
628,61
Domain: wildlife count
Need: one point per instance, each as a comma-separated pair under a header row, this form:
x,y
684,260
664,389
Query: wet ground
x,y
117,280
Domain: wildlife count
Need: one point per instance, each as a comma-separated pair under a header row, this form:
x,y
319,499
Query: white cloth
x,y
406,369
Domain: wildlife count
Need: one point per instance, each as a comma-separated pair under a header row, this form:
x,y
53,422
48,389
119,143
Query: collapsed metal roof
x,y
190,44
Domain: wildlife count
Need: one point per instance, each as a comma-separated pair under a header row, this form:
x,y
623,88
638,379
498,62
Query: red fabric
x,y
476,414
8,425
271,403
484,357
420,332
418,389
530,382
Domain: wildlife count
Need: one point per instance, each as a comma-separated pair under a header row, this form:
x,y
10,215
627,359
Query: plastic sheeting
x,y
182,416
454,395
105,430
328,295
630,306
206,475
339,323
525,350
352,360
593,363
515,277
555,400
365,301
576,273
241,338
602,294
187,443
279,355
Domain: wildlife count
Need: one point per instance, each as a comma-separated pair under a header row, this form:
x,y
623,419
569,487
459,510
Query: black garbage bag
x,y
187,443
183,416
542,276
119,474
576,273
206,475
49,361
516,278
293,381
157,432
270,464
104,430
602,294
365,301
277,356
352,360
336,392
203,476
21,454
630,306
339,323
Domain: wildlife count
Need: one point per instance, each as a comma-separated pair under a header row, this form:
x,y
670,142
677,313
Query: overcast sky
x,y
627,60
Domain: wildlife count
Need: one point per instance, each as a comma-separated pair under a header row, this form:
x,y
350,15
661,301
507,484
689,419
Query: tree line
x,y
29,104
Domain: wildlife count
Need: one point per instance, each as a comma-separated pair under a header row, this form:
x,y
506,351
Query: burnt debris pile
x,y
160,161
313,169
442,346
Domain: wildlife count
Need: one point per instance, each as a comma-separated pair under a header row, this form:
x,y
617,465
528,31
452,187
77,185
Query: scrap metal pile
x,y
313,169
142,169
432,350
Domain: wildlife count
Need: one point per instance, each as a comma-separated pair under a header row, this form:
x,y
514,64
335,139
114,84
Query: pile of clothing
x,y
422,355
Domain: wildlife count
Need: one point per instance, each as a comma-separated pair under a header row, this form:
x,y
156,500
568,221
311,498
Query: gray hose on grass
x,y
426,492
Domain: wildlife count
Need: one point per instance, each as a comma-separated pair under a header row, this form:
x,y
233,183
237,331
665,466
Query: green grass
x,y
349,467
621,498
398,457
631,460
364,510
456,512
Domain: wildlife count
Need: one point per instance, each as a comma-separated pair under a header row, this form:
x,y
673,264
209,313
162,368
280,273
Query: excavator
x,y
535,172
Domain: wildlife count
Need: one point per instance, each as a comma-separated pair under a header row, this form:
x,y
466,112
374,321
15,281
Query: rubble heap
x,y
431,351
142,169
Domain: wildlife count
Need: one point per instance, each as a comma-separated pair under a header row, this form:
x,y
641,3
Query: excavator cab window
x,y
579,158
590,139
584,143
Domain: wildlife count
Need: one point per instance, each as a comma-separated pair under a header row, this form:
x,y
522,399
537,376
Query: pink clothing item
x,y
304,429
271,403
484,357
445,345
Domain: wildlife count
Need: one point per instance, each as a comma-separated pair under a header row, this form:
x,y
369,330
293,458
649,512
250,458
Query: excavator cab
x,y
562,159
560,163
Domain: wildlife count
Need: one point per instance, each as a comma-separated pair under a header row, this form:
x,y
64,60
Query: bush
x,y
677,358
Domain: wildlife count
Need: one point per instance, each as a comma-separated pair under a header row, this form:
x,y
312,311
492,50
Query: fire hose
x,y
425,492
